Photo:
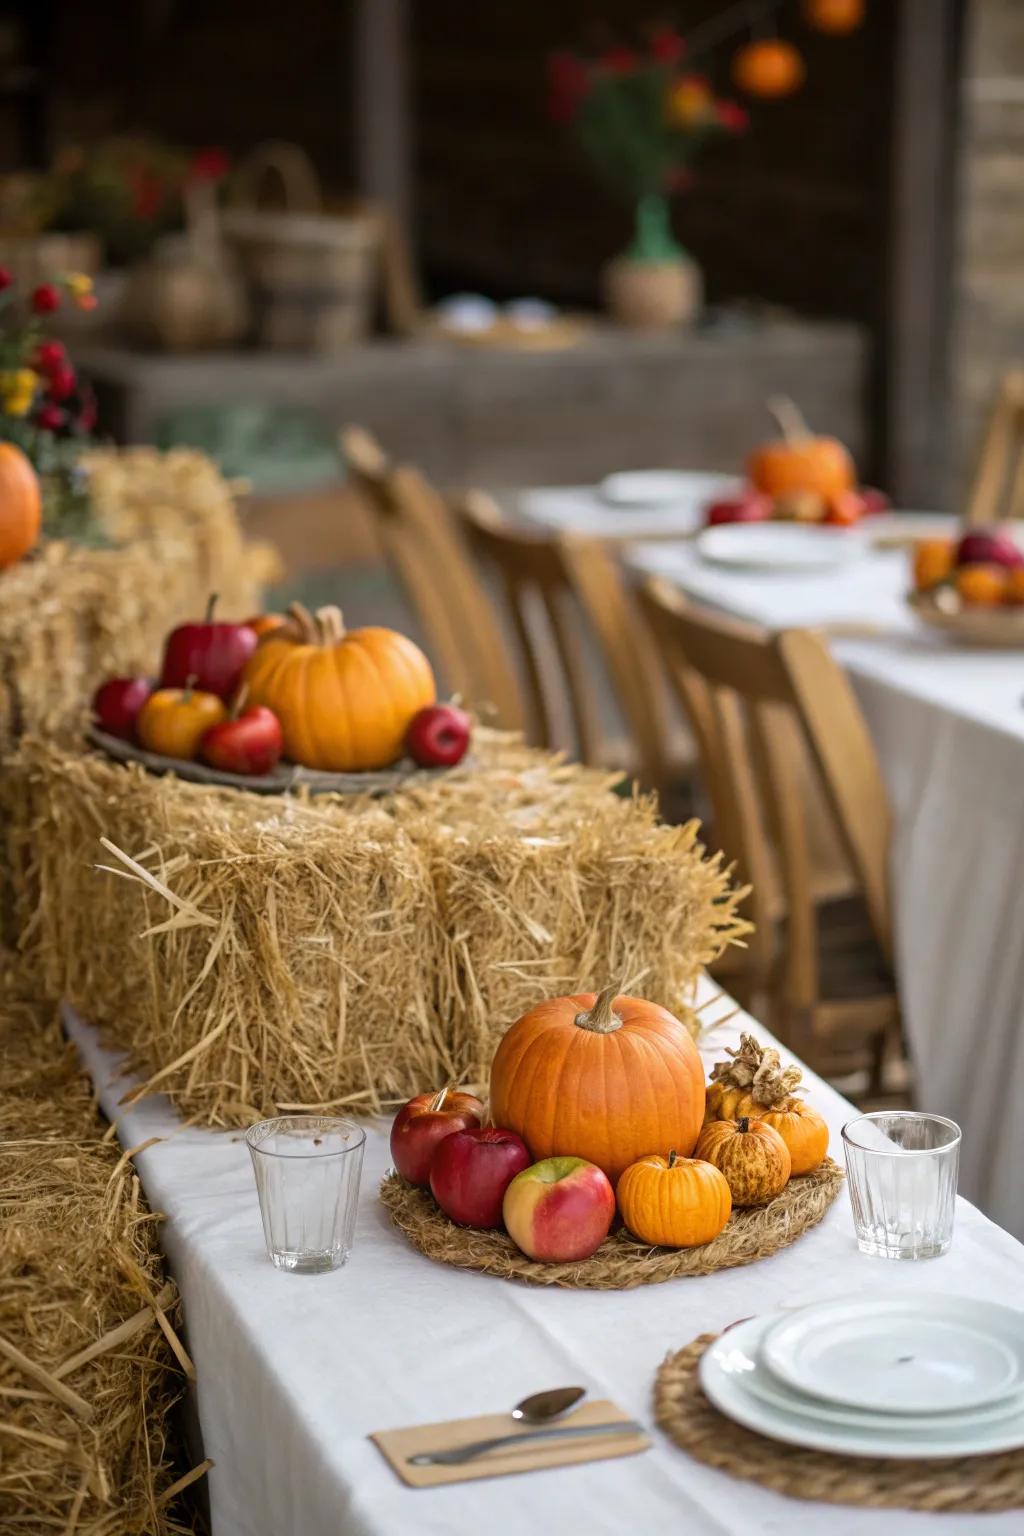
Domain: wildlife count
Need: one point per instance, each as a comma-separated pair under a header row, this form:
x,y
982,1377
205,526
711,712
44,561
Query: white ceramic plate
x,y
729,1363
925,1354
655,487
780,546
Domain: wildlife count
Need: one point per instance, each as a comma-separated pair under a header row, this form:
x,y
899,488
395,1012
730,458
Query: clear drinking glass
x,y
902,1170
307,1171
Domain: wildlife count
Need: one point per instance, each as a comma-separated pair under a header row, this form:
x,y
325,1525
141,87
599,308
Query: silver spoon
x,y
541,1407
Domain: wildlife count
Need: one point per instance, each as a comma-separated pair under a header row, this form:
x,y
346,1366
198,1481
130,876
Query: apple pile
x,y
983,568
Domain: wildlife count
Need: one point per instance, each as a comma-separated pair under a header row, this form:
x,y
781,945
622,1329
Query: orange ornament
x,y
934,560
21,508
837,17
799,461
770,68
982,586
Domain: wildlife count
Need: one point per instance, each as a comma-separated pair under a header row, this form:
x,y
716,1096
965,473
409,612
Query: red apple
x,y
988,546
747,507
423,1124
438,736
845,509
471,1172
559,1210
251,742
874,500
116,704
211,654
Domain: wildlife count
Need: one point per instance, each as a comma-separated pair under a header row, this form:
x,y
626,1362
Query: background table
x,y
294,1371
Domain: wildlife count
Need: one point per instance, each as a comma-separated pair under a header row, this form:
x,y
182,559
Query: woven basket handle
x,y
293,169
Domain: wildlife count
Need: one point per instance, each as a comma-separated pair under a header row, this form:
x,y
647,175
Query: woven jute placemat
x,y
621,1262
968,1485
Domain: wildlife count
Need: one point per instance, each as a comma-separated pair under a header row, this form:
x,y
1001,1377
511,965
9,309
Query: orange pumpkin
x,y
982,586
344,700
173,721
606,1078
21,507
769,68
674,1202
753,1157
837,17
934,561
755,1083
266,623
799,461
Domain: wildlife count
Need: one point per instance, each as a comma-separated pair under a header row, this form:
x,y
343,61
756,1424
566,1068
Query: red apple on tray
x,y
212,654
747,507
438,736
874,500
117,702
471,1172
989,546
423,1124
560,1209
249,742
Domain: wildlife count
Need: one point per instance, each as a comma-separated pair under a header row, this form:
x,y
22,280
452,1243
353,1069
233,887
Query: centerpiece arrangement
x,y
585,1178
971,586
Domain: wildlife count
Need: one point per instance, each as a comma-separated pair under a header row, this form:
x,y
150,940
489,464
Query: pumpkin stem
x,y
331,625
190,687
789,417
600,1018
743,1125
439,1098
673,1158
239,701
304,621
211,603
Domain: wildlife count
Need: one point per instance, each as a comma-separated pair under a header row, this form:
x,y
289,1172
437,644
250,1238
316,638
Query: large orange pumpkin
x,y
344,700
21,508
606,1078
800,461
674,1202
769,68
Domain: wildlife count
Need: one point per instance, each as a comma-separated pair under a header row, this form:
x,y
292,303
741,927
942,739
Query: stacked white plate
x,y
926,1376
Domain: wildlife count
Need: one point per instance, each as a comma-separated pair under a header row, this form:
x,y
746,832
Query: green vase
x,y
653,285
653,239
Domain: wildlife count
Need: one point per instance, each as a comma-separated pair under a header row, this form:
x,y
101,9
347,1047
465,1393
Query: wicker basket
x,y
311,274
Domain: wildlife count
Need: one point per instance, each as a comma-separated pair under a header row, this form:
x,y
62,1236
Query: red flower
x,y
147,192
733,117
49,356
667,46
209,165
5,278
62,383
618,61
45,299
50,418
567,86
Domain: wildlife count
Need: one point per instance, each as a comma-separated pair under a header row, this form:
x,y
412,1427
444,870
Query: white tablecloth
x,y
295,1371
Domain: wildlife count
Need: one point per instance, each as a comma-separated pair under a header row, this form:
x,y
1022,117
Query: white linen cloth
x,y
294,1371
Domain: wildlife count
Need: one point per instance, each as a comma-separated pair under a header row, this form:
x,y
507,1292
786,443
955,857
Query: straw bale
x,y
87,1373
255,954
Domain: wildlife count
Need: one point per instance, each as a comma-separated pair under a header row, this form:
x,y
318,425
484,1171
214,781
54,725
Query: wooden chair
x,y
423,545
997,490
558,590
767,710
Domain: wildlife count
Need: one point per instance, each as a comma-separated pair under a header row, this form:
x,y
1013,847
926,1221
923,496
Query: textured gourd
x,y
344,699
674,1202
754,1082
606,1078
20,505
753,1157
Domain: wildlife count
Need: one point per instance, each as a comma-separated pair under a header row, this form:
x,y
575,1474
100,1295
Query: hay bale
x,y
87,1373
257,954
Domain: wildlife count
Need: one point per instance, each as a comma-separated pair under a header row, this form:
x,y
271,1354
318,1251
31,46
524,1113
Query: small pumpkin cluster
x,y
240,696
578,1136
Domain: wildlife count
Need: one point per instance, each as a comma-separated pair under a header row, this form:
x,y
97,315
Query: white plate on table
x,y
659,488
729,1364
789,547
919,1355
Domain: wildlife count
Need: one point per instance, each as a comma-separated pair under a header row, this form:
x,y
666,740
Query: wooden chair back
x,y
763,706
997,490
551,583
423,545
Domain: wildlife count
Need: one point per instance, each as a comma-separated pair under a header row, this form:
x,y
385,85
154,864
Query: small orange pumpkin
x,y
754,1082
173,721
798,460
674,1202
836,17
344,700
934,562
266,623
753,1157
606,1078
769,68
21,506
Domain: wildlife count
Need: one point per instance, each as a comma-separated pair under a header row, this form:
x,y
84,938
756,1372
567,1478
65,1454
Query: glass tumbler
x,y
902,1171
307,1170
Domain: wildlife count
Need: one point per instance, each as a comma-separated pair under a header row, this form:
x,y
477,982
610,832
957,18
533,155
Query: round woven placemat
x,y
970,1484
621,1262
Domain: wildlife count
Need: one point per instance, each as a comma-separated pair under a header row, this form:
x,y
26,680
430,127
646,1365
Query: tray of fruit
x,y
578,1178
972,587
280,701
798,478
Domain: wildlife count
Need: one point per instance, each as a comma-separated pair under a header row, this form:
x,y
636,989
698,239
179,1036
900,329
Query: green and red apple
x,y
559,1209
